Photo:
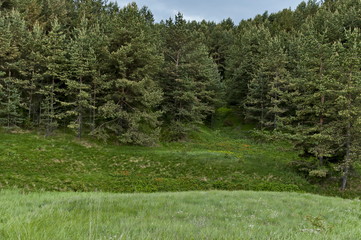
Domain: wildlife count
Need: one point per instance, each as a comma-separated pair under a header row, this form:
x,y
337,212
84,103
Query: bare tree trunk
x,y
346,168
320,158
31,96
348,159
9,101
94,108
80,128
80,114
52,112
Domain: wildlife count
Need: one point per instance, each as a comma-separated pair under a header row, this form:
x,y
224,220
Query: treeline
x,y
114,73
103,70
298,74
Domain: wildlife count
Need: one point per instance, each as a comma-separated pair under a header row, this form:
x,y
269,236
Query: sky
x,y
212,10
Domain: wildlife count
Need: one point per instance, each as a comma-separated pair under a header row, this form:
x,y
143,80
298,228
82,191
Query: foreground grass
x,y
210,161
187,215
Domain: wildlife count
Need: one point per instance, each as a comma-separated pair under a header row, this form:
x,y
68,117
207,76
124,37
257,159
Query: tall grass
x,y
187,215
210,161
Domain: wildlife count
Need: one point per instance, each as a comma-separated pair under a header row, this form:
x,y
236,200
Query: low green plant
x,y
214,215
209,160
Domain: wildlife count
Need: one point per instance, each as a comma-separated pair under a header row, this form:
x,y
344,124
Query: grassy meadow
x,y
64,188
211,161
186,215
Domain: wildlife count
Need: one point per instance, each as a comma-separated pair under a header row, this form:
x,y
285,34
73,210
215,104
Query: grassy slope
x,y
212,161
186,215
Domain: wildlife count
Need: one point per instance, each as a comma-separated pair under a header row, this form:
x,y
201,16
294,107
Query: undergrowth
x,y
211,160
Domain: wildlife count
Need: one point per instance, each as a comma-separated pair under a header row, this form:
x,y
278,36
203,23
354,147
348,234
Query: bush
x,y
311,170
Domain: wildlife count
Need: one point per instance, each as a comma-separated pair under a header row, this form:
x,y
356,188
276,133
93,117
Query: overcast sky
x,y
213,10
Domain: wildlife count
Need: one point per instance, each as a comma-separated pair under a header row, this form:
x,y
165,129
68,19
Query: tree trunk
x,y
52,112
9,101
320,160
80,128
322,114
31,96
348,139
94,108
347,158
80,110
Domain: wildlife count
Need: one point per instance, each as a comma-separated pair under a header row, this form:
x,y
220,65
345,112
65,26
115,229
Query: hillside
x,y
112,73
115,126
212,160
190,215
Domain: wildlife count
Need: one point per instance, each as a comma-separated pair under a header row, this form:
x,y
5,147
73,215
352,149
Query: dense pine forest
x,y
115,74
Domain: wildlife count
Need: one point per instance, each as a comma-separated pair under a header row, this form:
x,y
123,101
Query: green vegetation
x,y
210,161
115,74
98,98
190,215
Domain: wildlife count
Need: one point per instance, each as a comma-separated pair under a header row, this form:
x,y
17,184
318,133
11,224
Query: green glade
x,y
95,69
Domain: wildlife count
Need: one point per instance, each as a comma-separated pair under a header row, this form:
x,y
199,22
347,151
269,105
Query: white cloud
x,y
192,17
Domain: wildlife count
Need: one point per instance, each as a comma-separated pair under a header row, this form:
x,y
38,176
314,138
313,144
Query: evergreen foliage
x,y
114,73
190,79
130,101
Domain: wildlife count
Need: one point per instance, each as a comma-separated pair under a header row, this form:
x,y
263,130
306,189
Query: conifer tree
x,y
99,42
10,100
347,124
130,100
243,61
189,81
50,90
314,111
265,101
82,60
218,38
32,69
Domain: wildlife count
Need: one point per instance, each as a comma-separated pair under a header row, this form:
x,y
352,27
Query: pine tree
x,y
32,69
82,62
305,10
50,86
279,85
45,12
190,79
10,100
265,101
347,125
218,38
129,108
243,61
256,103
314,112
